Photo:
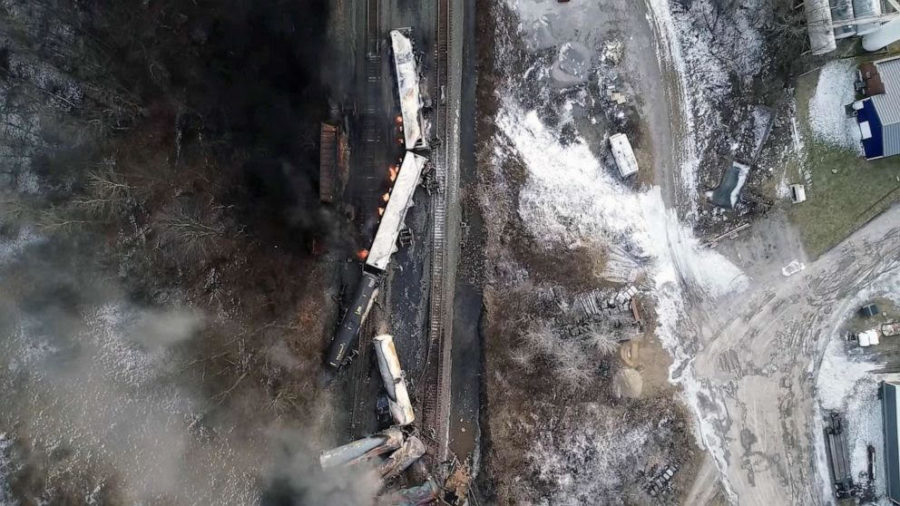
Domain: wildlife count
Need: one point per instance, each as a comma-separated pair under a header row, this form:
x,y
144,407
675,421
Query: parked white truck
x,y
623,154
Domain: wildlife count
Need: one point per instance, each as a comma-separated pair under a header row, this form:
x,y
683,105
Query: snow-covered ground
x,y
669,51
847,382
571,197
827,116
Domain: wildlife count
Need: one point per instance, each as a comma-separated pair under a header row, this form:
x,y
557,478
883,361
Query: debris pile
x,y
605,302
660,480
396,449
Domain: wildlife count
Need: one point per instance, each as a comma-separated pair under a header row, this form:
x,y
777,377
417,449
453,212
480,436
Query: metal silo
x,y
863,9
842,11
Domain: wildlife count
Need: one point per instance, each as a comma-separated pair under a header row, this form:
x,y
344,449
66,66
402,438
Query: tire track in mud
x,y
766,352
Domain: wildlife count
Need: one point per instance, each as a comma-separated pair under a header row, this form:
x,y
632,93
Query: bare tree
x,y
108,194
571,365
540,337
602,339
191,229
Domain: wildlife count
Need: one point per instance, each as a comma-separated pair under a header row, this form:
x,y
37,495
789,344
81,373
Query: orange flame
x,y
362,254
386,197
392,173
399,119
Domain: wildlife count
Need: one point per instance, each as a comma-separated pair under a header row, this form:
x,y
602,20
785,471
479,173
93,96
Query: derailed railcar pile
x,y
395,450
383,246
400,199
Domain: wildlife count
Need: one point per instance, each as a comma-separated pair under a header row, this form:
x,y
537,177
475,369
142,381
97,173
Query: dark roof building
x,y
889,397
878,115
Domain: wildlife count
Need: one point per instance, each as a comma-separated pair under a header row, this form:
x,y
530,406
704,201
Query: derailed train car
x,y
409,92
400,199
383,246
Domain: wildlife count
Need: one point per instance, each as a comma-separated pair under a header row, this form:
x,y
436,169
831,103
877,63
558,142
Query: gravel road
x,y
757,356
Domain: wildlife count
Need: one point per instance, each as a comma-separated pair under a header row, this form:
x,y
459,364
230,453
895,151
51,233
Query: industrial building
x,y
828,21
878,113
891,458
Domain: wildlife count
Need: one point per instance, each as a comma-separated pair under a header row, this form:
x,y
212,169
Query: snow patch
x,y
827,118
570,197
840,374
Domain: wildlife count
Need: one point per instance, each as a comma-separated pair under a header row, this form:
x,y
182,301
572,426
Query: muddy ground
x,y
758,355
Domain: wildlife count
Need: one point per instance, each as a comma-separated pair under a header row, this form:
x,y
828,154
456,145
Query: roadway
x,y
757,357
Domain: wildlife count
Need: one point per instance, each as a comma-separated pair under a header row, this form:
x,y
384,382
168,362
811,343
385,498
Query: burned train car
x,y
383,246
409,91
400,198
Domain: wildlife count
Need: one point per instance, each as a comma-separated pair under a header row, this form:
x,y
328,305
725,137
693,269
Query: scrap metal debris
x,y
412,450
425,493
363,449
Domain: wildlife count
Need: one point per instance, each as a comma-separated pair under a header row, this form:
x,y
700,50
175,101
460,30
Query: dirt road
x,y
757,355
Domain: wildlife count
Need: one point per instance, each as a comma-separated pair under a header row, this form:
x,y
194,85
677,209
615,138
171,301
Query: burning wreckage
x,y
396,449
399,200
379,255
393,450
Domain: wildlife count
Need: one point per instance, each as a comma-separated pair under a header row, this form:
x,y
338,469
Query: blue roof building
x,y
879,114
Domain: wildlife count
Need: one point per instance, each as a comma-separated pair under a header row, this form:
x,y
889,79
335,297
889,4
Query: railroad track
x,y
436,398
372,145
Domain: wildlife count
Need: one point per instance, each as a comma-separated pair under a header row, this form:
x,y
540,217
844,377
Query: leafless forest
x,y
160,217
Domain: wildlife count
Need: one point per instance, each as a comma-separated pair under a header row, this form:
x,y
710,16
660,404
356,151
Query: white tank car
x,y
408,89
401,199
394,382
879,39
867,9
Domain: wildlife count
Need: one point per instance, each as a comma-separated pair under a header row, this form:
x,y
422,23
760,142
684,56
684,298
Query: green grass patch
x,y
838,202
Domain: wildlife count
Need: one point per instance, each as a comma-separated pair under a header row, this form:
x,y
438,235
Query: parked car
x,y
793,268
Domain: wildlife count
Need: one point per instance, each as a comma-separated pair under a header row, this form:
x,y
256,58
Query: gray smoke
x,y
100,381
99,389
